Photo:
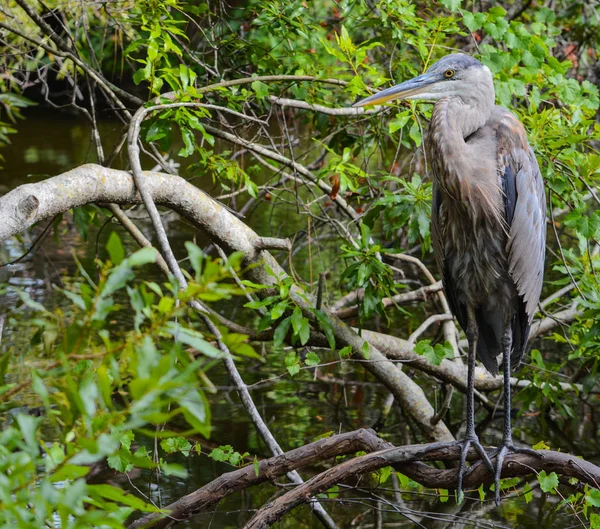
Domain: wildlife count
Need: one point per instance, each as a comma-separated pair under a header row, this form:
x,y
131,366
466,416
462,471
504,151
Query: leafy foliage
x,y
121,355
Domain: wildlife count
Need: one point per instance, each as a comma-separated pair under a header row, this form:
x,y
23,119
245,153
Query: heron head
x,y
455,75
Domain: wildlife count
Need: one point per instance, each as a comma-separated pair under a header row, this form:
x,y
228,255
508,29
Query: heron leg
x,y
471,439
507,442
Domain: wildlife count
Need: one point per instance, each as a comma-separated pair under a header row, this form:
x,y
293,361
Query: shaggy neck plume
x,y
457,142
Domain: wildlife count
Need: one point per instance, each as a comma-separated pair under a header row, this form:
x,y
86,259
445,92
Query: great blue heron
x,y
488,222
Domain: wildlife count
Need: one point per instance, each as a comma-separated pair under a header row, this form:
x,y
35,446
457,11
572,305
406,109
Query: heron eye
x,y
448,74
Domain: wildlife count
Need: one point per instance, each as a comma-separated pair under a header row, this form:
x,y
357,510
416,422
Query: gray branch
x,y
92,183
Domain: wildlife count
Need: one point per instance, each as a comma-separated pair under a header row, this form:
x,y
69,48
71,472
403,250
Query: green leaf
x,y
189,142
366,350
256,466
141,257
221,453
260,89
28,426
115,249
196,257
281,331
481,492
398,123
473,21
325,435
542,445
174,469
195,409
108,492
312,359
192,338
158,130
75,298
384,474
326,327
176,444
278,310
345,352
292,363
452,5
301,325
527,493
415,134
592,497
434,355
548,483
261,303
69,472
184,76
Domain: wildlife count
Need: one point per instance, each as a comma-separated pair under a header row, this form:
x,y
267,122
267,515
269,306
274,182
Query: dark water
x,y
297,410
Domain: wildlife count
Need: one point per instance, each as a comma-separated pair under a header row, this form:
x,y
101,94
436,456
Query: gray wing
x,y
525,211
437,233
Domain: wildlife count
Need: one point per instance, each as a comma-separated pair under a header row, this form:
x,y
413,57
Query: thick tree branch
x,y
404,459
32,203
410,460
91,183
268,470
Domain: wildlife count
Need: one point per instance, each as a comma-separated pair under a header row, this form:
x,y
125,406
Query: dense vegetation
x,y
314,265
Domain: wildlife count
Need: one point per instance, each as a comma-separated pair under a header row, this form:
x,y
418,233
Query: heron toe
x,y
463,470
502,451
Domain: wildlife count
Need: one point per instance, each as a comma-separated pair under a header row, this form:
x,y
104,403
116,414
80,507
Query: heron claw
x,y
465,445
500,453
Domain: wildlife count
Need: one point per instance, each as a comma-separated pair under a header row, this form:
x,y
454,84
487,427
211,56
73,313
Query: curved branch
x,y
408,460
349,111
419,294
448,371
563,317
141,182
31,203
409,395
268,469
435,318
270,78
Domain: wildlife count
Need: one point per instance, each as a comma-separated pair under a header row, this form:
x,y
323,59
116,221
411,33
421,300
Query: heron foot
x,y
507,447
470,441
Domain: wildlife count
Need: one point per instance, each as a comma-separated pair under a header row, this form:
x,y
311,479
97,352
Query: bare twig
x,y
426,324
350,111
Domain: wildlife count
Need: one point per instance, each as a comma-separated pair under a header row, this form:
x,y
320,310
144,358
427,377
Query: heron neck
x,y
452,122
460,119
464,163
